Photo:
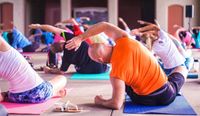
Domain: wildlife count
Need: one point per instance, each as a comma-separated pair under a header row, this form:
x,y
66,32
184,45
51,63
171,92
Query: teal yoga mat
x,y
101,76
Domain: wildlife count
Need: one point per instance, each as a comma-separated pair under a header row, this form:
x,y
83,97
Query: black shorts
x,y
92,68
163,96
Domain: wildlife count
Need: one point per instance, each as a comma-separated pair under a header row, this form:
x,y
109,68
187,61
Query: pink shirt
x,y
58,38
17,71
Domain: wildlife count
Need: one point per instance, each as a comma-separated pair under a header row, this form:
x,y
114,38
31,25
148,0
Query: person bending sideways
x,y
134,69
166,47
25,85
80,58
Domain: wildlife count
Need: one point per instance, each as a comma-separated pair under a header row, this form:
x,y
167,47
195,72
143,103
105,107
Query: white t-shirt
x,y
17,71
167,51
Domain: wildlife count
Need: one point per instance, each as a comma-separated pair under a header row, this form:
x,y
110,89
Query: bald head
x,y
100,52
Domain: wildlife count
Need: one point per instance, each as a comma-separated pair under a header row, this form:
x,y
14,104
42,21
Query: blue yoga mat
x,y
179,107
101,76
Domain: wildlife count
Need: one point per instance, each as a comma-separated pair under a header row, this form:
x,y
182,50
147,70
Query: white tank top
x,y
17,71
167,51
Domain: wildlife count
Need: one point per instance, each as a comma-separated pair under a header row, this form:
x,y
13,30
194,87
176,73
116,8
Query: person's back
x,y
19,40
80,58
140,69
48,37
25,85
15,69
167,51
134,69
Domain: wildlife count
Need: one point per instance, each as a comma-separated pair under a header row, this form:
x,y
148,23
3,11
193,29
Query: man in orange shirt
x,y
134,68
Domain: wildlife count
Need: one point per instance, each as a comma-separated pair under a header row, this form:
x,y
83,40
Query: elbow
x,y
117,106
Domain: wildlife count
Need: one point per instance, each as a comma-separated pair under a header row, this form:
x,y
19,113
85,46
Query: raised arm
x,y
125,25
71,21
196,27
112,31
149,33
48,28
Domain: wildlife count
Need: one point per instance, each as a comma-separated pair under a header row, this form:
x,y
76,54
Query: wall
x,y
18,13
162,11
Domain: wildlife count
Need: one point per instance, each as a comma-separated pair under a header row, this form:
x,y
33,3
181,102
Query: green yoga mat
x,y
101,76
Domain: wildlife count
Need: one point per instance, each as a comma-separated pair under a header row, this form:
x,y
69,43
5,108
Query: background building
x,y
167,12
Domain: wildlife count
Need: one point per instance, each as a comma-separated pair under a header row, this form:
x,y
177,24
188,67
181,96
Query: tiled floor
x,y
83,93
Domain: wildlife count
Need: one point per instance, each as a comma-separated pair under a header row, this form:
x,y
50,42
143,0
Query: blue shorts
x,y
38,94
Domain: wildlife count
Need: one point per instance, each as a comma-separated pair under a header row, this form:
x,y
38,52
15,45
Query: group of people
x,y
147,82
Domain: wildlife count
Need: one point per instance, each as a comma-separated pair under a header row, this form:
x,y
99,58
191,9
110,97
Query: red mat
x,y
16,108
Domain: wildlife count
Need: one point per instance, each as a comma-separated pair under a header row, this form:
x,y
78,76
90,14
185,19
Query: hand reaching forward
x,y
74,43
34,26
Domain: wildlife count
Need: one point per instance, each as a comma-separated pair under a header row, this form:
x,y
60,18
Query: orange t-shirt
x,y
136,66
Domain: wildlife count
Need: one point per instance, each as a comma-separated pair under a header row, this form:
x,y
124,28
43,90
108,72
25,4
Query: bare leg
x,y
59,83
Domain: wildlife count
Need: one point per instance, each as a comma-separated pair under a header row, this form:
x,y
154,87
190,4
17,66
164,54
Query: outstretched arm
x,y
48,28
125,25
71,21
196,27
117,96
109,29
149,33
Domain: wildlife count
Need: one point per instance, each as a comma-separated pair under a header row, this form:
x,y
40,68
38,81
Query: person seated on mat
x,y
196,36
134,69
168,49
80,58
25,85
184,36
18,41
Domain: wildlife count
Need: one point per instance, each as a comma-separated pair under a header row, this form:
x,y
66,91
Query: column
x,y
113,11
65,9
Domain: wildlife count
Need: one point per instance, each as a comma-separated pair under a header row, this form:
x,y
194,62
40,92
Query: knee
x,y
62,78
182,70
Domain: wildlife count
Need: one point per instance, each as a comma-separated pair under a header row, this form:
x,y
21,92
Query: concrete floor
x,y
83,93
